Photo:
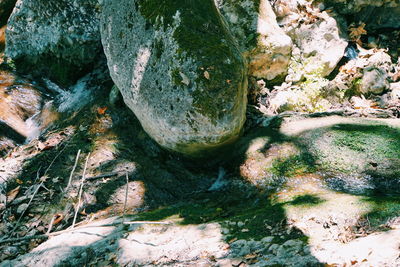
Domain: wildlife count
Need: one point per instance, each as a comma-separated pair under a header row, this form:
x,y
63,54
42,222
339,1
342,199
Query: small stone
x,y
374,81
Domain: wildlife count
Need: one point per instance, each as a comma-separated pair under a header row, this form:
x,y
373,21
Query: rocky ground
x,y
283,197
314,179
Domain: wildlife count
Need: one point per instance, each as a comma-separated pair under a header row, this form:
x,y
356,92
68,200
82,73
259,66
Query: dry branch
x,y
73,169
80,191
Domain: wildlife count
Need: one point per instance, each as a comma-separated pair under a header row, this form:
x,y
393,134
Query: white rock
x,y
320,45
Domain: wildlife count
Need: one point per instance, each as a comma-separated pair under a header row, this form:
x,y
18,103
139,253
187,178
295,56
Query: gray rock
x,y
374,81
254,25
59,39
178,70
367,73
6,7
320,47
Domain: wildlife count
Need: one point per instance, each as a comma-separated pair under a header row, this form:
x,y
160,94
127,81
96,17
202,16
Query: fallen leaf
x,y
356,32
13,194
19,181
207,75
101,110
58,218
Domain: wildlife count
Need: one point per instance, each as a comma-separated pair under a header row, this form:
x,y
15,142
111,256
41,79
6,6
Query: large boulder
x,y
59,39
253,24
6,7
178,69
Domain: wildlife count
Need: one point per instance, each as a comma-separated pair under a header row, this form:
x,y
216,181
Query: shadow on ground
x,y
243,204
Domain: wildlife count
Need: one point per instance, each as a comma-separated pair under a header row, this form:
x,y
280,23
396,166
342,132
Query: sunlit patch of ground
x,y
279,205
337,179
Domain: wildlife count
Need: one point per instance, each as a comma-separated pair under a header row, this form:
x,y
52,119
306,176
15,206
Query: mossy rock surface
x,y
355,155
178,69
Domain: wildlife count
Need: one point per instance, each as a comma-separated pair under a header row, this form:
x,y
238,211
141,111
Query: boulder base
x,y
178,69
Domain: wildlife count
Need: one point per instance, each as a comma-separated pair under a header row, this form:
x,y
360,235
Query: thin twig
x,y
45,236
146,222
80,190
50,226
106,175
73,169
126,194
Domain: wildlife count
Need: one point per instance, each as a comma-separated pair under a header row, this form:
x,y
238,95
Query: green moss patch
x,y
202,36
